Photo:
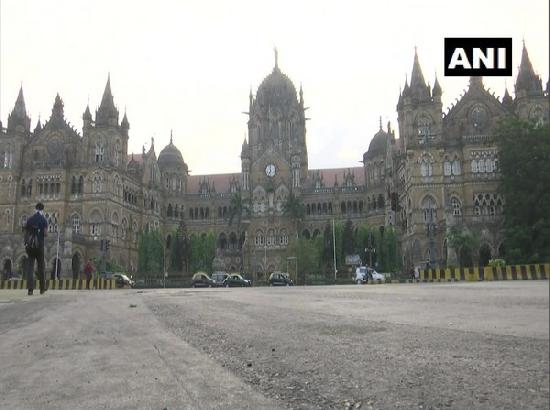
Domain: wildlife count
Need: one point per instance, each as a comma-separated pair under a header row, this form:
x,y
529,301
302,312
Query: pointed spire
x,y
87,116
19,115
301,94
38,127
528,82
276,67
507,98
250,101
476,81
124,123
107,113
380,120
436,91
171,138
19,107
417,78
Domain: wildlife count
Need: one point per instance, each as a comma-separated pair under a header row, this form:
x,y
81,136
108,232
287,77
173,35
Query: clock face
x,y
270,170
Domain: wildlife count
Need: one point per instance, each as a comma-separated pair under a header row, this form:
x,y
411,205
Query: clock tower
x,y
274,163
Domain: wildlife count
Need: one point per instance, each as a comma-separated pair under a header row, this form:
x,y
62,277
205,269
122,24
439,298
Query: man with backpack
x,y
36,229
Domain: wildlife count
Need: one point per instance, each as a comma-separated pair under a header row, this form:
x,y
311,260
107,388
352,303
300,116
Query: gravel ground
x,y
429,346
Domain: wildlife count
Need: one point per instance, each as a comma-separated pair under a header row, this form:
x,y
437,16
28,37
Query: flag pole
x,y
56,255
334,249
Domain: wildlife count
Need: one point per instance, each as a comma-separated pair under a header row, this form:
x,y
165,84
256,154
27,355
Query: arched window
x,y
168,241
123,228
169,211
426,167
99,152
80,189
429,209
73,185
447,167
456,168
233,242
423,126
75,220
96,184
481,165
95,223
259,238
270,239
283,237
456,206
475,168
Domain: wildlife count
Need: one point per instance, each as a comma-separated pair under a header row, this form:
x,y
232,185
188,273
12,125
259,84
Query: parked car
x,y
236,280
122,280
280,279
219,278
363,274
202,280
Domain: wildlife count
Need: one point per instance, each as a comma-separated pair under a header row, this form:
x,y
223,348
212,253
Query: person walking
x,y
36,228
88,269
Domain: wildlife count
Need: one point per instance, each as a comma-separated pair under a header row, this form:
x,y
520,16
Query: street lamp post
x,y
370,249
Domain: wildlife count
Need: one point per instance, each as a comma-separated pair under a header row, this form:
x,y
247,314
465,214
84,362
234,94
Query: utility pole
x,y
334,249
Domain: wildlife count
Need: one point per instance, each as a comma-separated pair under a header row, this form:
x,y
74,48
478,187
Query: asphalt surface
x,y
423,346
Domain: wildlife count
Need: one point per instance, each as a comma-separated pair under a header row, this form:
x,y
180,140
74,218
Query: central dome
x,y
377,146
276,89
170,156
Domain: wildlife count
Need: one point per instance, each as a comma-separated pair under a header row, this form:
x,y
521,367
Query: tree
x,y
348,239
150,252
179,249
295,209
202,252
308,254
237,209
524,163
464,242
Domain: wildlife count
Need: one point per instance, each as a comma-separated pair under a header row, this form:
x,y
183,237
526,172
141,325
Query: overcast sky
x,y
189,65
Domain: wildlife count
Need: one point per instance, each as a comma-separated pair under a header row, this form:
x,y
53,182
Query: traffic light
x,y
107,245
102,245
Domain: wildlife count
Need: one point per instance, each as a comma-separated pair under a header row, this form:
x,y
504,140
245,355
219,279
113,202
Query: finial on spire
x,y
380,118
276,57
171,138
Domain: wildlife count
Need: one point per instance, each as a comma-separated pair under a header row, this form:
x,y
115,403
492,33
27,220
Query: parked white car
x,y
364,274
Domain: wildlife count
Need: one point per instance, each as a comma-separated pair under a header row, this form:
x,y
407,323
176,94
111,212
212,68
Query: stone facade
x,y
443,170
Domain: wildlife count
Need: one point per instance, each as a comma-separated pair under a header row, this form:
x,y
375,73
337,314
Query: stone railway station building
x,y
441,171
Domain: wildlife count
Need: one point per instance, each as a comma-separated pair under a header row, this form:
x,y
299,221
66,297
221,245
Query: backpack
x,y
31,239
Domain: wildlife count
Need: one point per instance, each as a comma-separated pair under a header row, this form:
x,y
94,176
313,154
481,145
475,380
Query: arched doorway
x,y
6,271
75,265
484,255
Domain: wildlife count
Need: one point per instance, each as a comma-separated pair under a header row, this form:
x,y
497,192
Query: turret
x,y
125,125
58,116
436,91
418,90
38,127
527,83
507,100
87,117
18,119
107,113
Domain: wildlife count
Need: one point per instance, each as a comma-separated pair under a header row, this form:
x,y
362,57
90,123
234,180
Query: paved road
x,y
459,345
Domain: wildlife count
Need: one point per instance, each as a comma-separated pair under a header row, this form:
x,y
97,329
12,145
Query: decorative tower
x,y
18,120
531,103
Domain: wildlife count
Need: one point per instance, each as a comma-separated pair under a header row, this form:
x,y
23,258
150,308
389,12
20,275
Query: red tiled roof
x,y
331,173
221,181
